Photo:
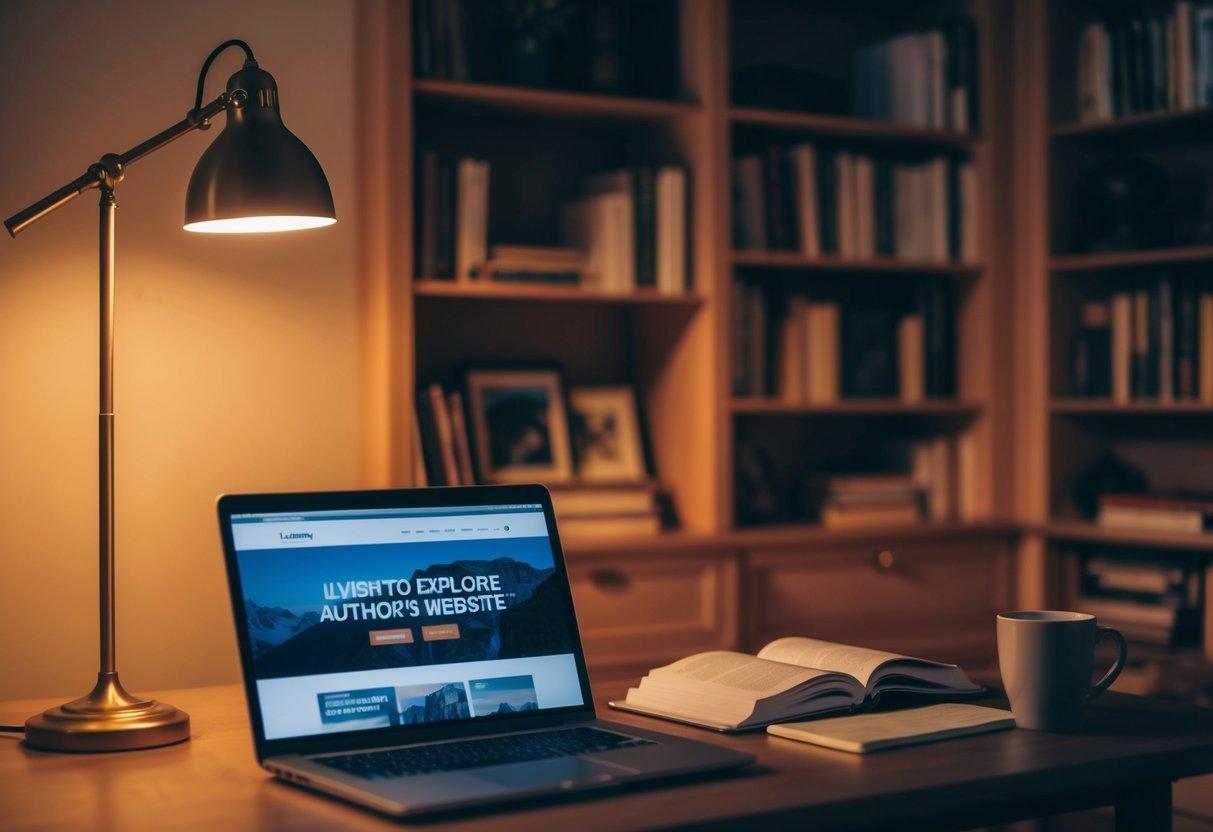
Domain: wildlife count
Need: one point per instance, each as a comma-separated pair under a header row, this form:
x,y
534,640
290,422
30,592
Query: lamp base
x,y
107,719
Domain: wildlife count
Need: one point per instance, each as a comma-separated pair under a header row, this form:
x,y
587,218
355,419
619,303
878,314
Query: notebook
x,y
890,729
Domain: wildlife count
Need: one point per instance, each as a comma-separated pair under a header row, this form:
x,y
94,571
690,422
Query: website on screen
x,y
379,618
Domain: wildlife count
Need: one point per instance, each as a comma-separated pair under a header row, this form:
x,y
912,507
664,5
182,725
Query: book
x,y
624,525
749,211
911,359
1093,350
671,230
622,500
803,161
446,435
869,351
790,678
601,227
472,216
1204,357
460,441
901,513
864,733
1122,347
1175,512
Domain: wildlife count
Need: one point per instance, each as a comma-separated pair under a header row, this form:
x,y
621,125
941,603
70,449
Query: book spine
x,y
644,179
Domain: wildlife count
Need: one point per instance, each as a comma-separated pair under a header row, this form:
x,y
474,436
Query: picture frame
x,y
519,424
607,436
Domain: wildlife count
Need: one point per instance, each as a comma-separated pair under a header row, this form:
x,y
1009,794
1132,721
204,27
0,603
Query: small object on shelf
x,y
607,440
589,509
519,424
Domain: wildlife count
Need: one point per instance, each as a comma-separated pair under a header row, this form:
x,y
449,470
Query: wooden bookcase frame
x,y
687,396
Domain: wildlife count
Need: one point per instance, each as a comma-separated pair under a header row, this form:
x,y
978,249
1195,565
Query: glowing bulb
x,y
257,225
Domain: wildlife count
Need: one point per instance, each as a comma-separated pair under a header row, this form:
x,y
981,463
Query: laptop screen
x,y
365,619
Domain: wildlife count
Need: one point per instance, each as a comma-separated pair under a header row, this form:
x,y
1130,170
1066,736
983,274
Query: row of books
x,y
1146,64
821,200
629,231
926,79
632,226
819,351
1150,600
443,457
1178,512
624,48
926,492
1154,343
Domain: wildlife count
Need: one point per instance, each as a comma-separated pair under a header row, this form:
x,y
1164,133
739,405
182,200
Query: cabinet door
x,y
640,609
931,600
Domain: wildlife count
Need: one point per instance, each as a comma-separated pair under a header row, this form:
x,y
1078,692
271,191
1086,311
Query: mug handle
x,y
1108,678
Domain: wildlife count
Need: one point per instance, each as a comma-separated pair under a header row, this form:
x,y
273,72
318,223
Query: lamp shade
x,y
256,176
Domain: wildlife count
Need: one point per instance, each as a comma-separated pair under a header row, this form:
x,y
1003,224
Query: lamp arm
x,y
111,167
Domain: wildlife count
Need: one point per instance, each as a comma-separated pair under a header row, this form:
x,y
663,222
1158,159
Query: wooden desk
x,y
1131,751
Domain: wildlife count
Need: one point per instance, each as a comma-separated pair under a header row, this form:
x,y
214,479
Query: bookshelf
x,y
1059,272
676,350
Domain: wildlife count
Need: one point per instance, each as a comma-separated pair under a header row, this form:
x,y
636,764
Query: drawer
x,y
932,600
642,609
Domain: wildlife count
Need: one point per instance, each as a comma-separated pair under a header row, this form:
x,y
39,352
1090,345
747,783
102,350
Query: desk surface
x,y
213,782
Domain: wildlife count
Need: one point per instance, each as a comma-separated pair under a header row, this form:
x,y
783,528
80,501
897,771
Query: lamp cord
x,y
210,59
12,729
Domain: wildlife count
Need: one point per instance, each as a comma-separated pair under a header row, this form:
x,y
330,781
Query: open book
x,y
790,678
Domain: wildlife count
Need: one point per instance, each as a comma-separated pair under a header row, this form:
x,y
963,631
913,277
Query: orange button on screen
x,y
440,632
382,637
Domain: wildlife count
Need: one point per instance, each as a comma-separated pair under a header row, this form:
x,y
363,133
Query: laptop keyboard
x,y
490,751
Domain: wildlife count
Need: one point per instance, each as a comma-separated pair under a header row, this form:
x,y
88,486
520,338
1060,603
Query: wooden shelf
x,y
1085,532
1166,122
855,407
848,128
790,534
763,259
1129,259
551,102
552,294
1106,407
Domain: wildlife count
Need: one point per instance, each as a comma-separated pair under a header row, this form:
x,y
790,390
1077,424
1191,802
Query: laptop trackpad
x,y
565,772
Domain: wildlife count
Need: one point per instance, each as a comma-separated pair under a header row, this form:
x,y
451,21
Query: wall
x,y
236,357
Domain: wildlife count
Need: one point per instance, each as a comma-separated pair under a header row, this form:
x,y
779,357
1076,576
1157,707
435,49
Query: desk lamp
x,y
256,176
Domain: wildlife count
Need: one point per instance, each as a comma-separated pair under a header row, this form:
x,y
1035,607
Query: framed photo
x,y
520,428
606,434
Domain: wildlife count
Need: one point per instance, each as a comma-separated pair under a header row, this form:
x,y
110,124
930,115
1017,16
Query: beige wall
x,y
235,357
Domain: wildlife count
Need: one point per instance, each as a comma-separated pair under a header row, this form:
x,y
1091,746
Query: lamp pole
x,y
256,176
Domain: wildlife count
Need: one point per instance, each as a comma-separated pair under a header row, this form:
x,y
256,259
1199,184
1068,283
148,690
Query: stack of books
x,y
819,200
442,453
532,264
1182,513
823,350
925,79
591,510
858,500
632,228
452,216
1149,600
1150,343
1149,64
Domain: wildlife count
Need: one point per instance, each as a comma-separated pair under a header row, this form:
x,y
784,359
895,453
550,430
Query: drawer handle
x,y
609,579
883,561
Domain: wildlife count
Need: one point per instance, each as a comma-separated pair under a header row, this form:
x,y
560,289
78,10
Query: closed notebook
x,y
877,731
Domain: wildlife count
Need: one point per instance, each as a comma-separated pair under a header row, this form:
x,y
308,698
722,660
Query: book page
x,y
859,662
750,676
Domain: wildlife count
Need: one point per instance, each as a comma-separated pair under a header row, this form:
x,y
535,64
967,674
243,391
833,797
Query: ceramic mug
x,y
1046,659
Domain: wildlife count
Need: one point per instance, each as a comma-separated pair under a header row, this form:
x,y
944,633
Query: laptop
x,y
416,651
